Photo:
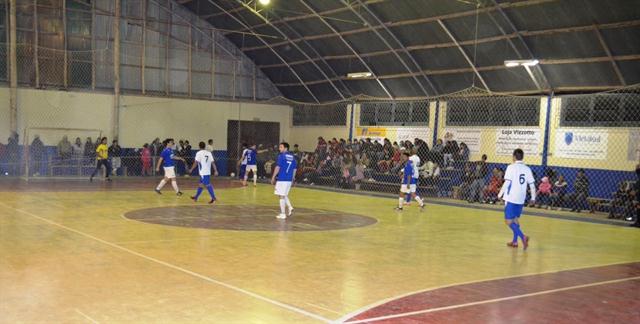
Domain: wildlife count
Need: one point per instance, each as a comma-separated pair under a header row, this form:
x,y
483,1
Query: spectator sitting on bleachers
x,y
622,199
581,192
636,191
558,192
438,147
77,149
384,165
89,150
463,154
65,149
431,173
490,192
479,173
544,193
450,148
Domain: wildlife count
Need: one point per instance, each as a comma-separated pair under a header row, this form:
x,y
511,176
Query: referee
x,y
102,158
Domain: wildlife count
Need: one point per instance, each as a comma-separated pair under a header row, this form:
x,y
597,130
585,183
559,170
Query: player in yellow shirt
x,y
102,158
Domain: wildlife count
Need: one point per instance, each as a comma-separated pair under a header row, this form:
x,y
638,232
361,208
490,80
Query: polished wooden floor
x,y
72,252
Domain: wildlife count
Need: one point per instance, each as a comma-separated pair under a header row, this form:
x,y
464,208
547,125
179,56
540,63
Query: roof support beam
x,y
384,88
515,48
464,54
279,31
606,49
392,49
420,20
271,48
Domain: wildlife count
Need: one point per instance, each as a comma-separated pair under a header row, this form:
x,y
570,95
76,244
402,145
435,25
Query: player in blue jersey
x,y
251,156
514,192
409,182
167,160
284,172
204,161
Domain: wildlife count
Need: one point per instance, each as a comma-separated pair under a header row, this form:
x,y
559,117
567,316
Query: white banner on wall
x,y
411,133
581,144
633,152
471,137
509,139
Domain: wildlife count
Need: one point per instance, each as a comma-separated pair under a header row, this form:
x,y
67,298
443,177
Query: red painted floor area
x,y
617,302
118,184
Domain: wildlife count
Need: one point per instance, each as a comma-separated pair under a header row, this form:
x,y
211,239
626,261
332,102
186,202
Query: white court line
x,y
489,301
323,308
390,299
175,267
86,316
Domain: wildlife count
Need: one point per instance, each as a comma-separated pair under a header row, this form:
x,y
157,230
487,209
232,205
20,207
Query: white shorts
x,y
170,172
408,188
282,188
253,168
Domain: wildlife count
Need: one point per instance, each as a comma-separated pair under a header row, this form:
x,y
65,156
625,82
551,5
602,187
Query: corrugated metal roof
x,y
417,48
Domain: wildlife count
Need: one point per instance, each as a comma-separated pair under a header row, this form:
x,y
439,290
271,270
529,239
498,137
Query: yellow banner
x,y
371,132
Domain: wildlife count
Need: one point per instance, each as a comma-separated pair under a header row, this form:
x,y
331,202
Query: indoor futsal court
x,y
306,161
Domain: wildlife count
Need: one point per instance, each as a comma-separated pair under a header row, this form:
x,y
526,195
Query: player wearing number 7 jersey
x,y
285,171
204,161
514,192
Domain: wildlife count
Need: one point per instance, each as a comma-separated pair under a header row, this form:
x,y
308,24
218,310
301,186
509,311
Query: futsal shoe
x,y
398,209
290,212
212,201
194,198
158,191
422,207
512,244
525,242
281,216
179,193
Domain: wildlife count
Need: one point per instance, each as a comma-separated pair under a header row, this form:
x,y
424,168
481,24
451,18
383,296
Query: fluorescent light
x,y
359,75
514,63
265,2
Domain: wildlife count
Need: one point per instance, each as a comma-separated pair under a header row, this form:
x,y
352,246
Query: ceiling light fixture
x,y
359,75
514,63
265,2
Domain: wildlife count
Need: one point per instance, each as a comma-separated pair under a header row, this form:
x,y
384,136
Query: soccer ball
x,y
232,174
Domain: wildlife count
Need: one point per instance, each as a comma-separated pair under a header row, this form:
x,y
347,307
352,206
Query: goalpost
x,y
56,158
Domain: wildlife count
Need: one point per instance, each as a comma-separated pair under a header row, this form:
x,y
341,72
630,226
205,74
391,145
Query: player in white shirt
x,y
514,192
243,161
415,159
204,161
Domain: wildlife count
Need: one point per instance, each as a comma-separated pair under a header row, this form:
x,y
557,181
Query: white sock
x,y
286,200
400,202
282,206
255,178
419,200
161,184
174,184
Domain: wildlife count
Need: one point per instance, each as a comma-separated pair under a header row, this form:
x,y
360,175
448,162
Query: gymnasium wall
x,y
144,118
488,137
141,118
4,115
307,136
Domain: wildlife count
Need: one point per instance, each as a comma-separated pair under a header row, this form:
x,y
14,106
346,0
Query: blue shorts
x,y
205,180
512,211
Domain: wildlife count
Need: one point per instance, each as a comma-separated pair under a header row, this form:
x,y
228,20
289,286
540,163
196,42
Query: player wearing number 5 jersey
x,y
514,192
204,161
285,171
251,157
